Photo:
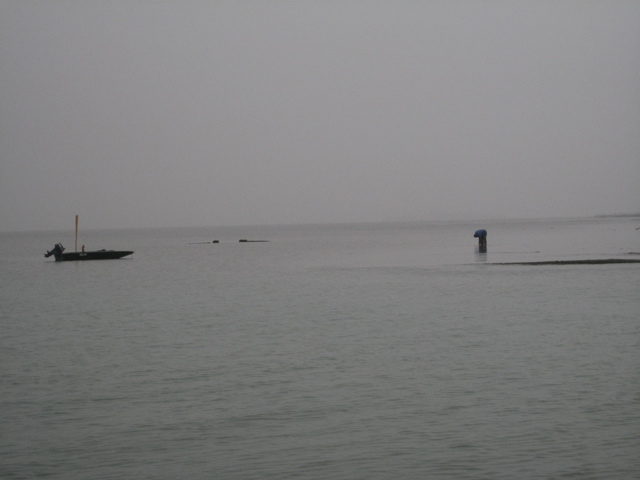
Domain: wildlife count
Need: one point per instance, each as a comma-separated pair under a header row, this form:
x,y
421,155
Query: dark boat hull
x,y
97,255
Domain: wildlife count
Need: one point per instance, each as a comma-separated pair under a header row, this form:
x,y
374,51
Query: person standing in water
x,y
481,235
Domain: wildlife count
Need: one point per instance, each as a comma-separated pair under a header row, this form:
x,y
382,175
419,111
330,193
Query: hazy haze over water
x,y
156,113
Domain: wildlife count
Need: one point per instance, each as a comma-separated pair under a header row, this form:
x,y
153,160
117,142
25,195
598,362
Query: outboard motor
x,y
481,235
57,250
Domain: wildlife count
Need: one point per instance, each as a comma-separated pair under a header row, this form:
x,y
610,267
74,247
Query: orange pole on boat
x,y
76,233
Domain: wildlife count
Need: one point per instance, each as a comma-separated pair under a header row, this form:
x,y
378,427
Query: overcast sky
x,y
151,113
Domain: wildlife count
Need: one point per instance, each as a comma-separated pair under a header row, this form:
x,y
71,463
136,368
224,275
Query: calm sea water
x,y
343,351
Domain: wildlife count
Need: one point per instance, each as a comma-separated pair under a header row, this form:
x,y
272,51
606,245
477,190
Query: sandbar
x,y
575,262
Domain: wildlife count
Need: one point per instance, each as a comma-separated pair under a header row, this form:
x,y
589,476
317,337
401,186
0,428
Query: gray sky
x,y
152,113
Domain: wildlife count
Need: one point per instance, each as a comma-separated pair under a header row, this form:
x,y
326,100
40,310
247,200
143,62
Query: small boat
x,y
58,252
60,256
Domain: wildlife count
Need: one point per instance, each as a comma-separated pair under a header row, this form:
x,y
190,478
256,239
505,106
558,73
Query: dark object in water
x,y
244,240
481,235
60,256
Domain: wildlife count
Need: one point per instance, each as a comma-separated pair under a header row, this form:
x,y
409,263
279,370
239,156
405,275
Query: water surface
x,y
340,351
